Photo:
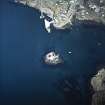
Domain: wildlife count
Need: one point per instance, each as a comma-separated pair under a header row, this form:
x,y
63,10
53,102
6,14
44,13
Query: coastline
x,y
65,12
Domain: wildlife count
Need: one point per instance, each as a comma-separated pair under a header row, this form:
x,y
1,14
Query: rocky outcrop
x,y
53,58
98,81
98,98
98,84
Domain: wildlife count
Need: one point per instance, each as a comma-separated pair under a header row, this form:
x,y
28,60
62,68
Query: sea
x,y
25,79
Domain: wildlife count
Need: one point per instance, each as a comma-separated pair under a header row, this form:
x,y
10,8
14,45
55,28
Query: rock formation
x,y
98,84
98,98
52,58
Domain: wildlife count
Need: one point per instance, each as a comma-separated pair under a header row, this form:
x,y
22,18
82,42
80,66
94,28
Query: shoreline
x,y
64,13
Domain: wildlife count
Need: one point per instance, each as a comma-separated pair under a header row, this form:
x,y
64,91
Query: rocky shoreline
x,y
98,84
64,12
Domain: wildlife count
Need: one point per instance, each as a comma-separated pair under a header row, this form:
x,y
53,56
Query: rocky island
x,y
64,12
53,58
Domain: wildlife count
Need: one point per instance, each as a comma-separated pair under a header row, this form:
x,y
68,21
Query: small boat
x,y
41,16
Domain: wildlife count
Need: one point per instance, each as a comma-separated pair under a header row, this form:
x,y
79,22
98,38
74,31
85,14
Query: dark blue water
x,y
24,78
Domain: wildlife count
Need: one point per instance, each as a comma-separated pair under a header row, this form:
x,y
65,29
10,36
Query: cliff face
x,y
98,84
98,98
64,12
